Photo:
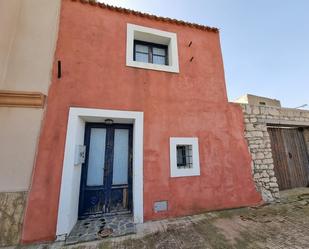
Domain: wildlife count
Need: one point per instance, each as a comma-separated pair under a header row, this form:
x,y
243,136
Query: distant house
x,y
28,34
137,121
257,100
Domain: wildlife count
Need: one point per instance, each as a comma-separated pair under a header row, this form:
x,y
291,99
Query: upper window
x,y
150,48
150,53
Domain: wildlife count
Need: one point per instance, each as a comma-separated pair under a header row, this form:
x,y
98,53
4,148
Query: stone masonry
x,y
11,214
306,135
256,119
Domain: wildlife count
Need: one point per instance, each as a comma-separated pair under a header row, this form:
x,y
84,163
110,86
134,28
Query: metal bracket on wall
x,y
59,70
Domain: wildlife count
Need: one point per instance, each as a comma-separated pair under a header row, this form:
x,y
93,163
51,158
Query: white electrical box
x,y
80,154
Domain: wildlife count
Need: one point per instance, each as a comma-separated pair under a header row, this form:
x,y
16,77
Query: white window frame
x,y
181,172
141,33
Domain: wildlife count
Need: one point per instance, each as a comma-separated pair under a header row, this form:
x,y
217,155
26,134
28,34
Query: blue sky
x,y
265,43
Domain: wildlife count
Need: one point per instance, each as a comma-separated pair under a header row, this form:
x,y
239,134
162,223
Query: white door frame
x,y
71,174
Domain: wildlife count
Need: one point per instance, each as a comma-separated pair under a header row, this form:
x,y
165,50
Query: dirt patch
x,y
231,228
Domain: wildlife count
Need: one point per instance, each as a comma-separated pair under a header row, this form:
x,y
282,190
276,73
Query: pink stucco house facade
x,y
138,119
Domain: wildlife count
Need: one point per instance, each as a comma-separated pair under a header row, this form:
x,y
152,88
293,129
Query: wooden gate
x,y
291,162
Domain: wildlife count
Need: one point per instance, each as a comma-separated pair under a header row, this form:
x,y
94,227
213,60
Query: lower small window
x,y
184,156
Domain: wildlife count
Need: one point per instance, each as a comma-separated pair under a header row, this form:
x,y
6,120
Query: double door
x,y
290,157
106,180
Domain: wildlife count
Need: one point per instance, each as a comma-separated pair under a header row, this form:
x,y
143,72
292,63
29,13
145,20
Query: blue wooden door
x,y
106,181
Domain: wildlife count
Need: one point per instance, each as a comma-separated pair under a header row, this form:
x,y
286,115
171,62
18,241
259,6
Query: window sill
x,y
156,67
185,173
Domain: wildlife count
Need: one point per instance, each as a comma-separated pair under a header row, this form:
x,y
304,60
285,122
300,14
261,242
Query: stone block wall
x,y
12,207
256,119
306,135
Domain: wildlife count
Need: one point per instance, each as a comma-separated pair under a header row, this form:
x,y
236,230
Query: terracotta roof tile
x,y
150,16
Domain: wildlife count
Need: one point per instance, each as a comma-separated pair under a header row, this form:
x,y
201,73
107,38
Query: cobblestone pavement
x,y
275,226
94,228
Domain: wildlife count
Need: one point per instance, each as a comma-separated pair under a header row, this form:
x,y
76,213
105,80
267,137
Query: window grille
x,y
184,156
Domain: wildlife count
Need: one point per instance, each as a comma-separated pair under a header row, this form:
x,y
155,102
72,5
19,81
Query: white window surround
x,y
136,32
71,174
181,172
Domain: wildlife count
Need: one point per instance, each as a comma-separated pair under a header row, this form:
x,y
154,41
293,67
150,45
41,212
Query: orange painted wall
x,y
193,103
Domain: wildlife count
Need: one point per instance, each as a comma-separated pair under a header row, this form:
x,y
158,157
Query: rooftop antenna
x,y
304,105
